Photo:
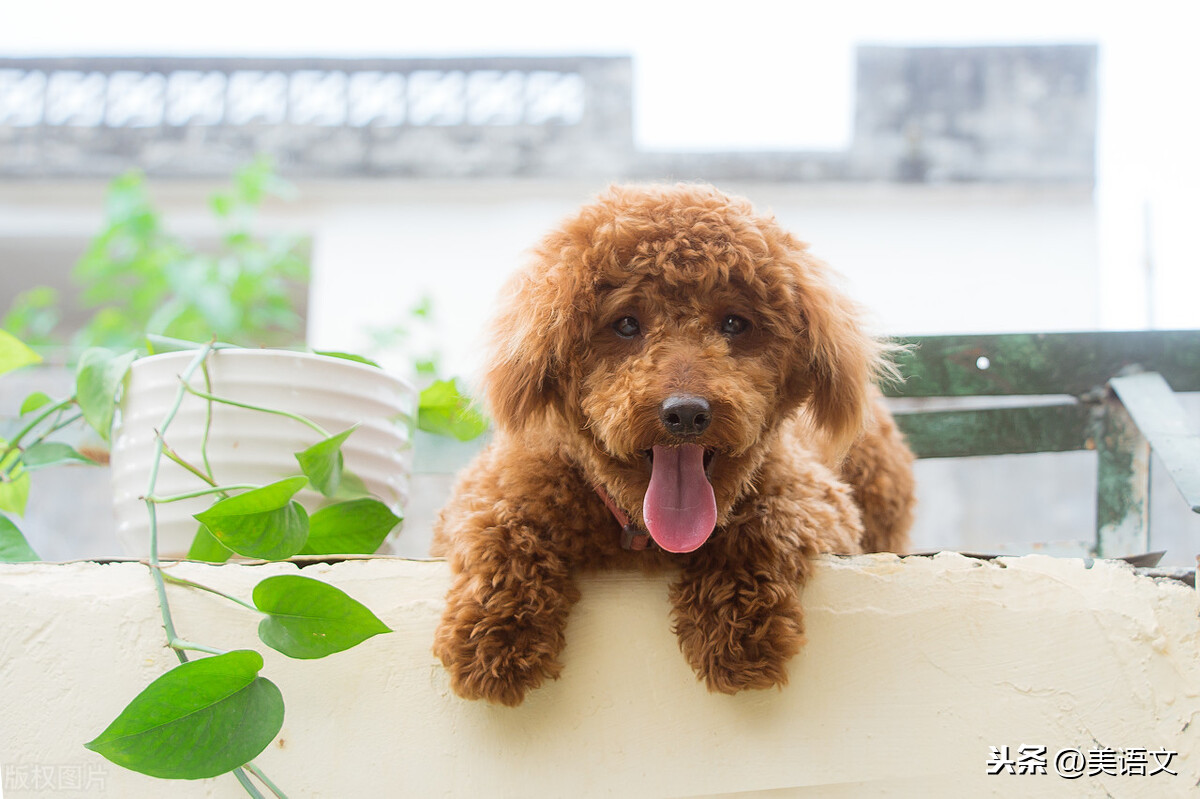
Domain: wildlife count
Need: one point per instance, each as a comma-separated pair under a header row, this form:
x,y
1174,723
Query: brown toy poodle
x,y
675,383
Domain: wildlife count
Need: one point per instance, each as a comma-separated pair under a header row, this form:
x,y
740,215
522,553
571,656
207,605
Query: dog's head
x,y
667,331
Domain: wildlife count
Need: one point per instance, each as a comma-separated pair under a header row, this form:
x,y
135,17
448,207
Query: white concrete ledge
x,y
914,670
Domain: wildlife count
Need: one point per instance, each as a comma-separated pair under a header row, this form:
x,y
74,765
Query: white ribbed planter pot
x,y
251,447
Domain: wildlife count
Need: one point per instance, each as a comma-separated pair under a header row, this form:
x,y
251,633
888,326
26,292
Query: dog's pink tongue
x,y
680,508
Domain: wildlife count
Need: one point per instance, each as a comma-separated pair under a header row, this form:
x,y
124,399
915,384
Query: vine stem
x,y
257,772
160,585
190,646
180,581
58,425
14,445
225,401
246,783
208,413
151,498
41,417
173,455
179,646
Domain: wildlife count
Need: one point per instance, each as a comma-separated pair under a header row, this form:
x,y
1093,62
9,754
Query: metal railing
x,y
1111,392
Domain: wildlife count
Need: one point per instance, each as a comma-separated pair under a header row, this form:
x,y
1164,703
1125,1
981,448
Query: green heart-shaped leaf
x,y
446,411
347,356
351,487
52,453
99,374
34,401
13,546
156,344
14,354
322,462
262,523
356,527
14,482
307,618
201,719
206,547
269,497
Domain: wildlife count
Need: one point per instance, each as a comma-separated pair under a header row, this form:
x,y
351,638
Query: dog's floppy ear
x,y
834,362
542,313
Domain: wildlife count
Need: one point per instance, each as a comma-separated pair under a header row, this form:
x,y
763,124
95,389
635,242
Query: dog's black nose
x,y
685,414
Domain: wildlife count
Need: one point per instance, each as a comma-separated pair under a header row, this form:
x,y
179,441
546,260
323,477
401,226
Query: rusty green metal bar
x,y
1162,420
1042,363
1122,484
997,431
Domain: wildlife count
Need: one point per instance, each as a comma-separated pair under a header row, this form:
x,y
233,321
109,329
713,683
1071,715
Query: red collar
x,y
632,536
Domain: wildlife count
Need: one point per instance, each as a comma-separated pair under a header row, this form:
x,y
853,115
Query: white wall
x,y
375,256
921,259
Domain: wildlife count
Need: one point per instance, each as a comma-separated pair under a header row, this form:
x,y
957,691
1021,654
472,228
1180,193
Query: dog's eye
x,y
626,327
733,325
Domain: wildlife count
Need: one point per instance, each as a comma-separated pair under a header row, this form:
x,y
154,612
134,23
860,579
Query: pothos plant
x,y
137,277
215,714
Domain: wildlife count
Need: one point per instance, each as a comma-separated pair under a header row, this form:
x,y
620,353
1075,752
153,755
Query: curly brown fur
x,y
800,453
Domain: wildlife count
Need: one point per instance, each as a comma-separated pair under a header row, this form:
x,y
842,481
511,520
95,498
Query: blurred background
x,y
364,178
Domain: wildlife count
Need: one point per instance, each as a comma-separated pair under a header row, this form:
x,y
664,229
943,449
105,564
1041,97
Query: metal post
x,y
1123,483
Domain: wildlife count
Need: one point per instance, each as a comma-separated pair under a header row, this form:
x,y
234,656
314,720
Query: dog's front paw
x,y
493,667
738,631
496,655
